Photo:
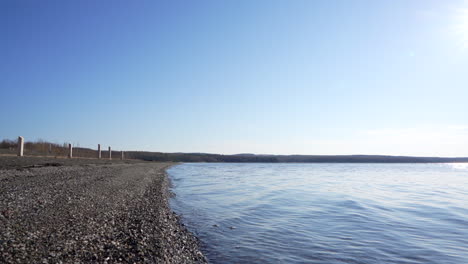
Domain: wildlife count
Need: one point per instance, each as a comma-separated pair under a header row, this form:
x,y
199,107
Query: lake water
x,y
325,213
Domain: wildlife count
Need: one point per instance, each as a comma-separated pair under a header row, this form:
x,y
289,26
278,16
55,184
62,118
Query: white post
x,y
70,151
20,146
99,150
122,157
110,153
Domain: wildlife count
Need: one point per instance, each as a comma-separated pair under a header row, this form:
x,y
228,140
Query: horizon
x,y
289,78
75,145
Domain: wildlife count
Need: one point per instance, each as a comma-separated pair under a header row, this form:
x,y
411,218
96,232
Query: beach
x,y
89,210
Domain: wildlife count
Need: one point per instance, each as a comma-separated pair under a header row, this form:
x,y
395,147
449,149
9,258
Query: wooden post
x,y
99,150
20,146
70,151
122,157
110,153
50,148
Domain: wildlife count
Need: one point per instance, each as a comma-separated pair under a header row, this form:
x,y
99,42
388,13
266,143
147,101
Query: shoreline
x,y
83,211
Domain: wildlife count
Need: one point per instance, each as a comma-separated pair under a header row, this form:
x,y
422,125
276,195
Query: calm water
x,y
325,213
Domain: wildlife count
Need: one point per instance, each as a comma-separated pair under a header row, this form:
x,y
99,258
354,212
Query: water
x,y
325,213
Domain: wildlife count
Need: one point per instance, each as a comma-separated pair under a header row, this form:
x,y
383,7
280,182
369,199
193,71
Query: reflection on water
x,y
326,213
458,166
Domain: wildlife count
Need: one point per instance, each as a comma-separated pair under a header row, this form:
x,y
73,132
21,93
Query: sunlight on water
x,y
326,213
458,166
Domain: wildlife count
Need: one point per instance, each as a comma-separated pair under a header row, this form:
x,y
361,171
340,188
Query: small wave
x,y
332,213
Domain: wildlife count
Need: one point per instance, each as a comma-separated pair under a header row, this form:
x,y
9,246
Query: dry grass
x,y
48,149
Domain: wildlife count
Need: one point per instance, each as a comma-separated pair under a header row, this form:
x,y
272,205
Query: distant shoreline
x,y
51,150
241,158
254,158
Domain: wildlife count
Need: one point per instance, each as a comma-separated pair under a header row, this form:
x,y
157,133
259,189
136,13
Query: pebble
x,y
90,214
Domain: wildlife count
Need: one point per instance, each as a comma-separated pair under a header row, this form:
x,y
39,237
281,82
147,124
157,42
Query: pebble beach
x,y
89,211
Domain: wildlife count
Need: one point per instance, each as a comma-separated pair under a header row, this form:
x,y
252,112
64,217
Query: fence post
x,y
99,150
70,151
122,157
110,153
20,146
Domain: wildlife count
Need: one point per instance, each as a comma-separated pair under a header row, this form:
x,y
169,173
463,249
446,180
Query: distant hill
x,y
43,148
201,157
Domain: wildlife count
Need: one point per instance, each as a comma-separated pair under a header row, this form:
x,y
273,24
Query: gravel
x,y
88,211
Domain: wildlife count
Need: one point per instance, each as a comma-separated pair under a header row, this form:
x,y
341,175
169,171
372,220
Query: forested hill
x,y
203,157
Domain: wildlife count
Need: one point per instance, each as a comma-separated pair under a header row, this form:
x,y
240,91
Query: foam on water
x,y
325,213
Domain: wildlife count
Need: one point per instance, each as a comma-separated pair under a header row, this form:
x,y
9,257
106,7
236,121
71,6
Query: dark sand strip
x,y
88,211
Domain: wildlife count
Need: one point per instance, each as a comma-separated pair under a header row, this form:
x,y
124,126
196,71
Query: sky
x,y
265,76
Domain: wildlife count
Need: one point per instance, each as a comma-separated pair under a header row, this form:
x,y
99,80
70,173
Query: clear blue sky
x,y
276,76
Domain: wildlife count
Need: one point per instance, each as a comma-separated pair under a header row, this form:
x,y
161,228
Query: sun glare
x,y
458,166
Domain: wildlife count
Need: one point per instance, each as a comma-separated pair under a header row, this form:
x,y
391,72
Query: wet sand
x,y
88,211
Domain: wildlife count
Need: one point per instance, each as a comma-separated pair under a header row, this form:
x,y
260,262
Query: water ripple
x,y
325,213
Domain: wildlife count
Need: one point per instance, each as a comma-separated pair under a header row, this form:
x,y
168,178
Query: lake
x,y
325,213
